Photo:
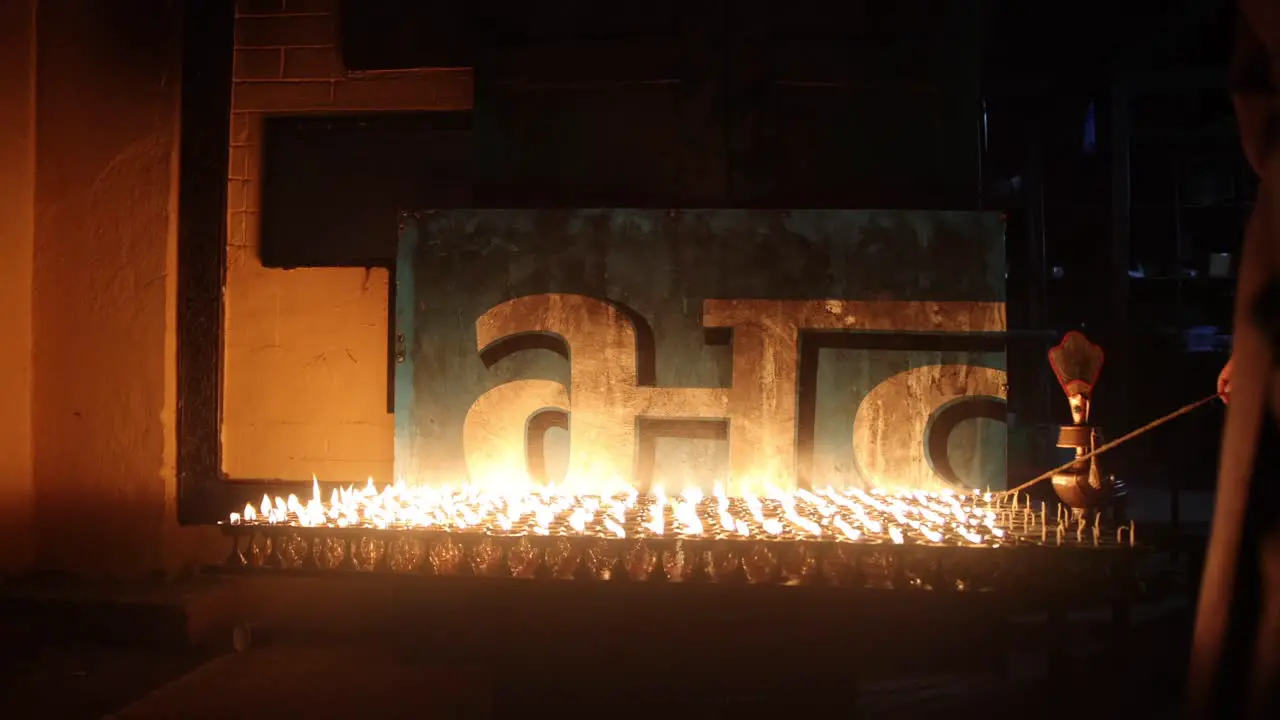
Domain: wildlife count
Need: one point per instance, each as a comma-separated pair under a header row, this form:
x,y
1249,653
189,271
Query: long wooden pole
x,y
1118,441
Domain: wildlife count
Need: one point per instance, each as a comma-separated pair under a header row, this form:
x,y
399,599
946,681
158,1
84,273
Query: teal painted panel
x,y
660,268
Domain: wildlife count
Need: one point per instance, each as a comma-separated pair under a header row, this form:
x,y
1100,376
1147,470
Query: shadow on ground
x,y
55,664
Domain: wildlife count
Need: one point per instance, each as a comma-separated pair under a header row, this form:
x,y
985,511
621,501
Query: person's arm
x,y
1224,382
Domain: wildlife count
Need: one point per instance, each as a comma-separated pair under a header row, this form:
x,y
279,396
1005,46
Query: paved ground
x,y
344,682
58,665
347,681
329,680
81,650
318,682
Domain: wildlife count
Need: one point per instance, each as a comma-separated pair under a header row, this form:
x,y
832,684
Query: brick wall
x,y
305,371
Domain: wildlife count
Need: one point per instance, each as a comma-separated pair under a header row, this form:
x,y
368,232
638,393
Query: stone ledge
x,y
169,614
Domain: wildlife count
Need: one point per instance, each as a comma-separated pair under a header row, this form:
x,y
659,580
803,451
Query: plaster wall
x,y
17,235
104,287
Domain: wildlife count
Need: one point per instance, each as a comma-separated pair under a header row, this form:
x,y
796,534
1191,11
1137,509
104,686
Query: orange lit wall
x,y
17,233
89,286
305,373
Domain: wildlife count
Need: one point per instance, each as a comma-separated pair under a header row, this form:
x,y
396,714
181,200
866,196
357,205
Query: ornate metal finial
x,y
1077,363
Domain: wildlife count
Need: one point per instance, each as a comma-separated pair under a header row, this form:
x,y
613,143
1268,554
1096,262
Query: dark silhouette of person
x,y
1235,662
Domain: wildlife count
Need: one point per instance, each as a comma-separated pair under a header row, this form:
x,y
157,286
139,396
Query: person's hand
x,y
1224,382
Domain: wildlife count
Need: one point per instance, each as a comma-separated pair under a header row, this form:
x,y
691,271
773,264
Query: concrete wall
x,y
305,368
17,233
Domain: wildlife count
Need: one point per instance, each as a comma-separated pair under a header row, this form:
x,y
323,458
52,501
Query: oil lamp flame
x,y
836,515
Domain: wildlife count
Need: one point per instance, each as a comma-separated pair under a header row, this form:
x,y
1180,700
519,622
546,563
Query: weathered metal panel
x,y
701,346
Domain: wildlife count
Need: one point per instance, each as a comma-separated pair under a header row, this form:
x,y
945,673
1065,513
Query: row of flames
x,y
936,518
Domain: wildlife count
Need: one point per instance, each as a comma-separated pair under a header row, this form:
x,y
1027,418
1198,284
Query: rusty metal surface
x,y
857,377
